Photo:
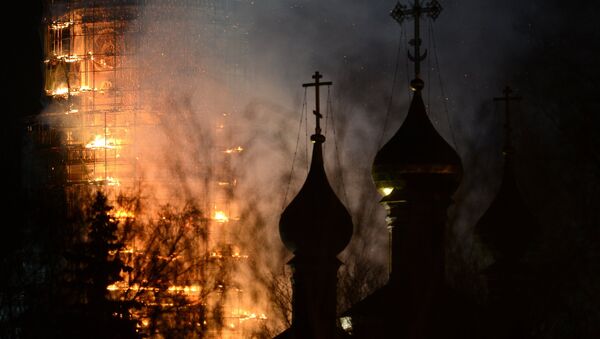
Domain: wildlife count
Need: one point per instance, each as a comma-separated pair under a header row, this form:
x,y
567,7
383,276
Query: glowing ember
x,y
101,142
238,255
61,25
112,287
235,149
59,91
247,315
191,289
110,181
122,214
221,217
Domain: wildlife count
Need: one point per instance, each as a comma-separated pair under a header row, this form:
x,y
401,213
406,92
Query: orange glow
x,y
60,25
95,82
101,142
191,289
122,214
238,255
235,149
244,315
59,91
64,91
221,217
110,181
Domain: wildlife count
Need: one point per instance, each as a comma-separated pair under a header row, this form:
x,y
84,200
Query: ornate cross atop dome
x,y
400,13
317,76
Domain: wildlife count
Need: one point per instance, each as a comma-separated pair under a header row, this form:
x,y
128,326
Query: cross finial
x,y
317,76
507,98
401,12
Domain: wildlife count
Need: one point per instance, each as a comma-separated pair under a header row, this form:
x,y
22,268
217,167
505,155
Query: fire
x,y
110,181
238,255
112,287
244,315
188,290
182,289
64,91
101,142
235,149
122,214
76,64
60,25
221,217
59,91
68,58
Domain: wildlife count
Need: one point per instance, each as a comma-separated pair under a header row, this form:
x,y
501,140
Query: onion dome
x,y
507,227
415,149
316,222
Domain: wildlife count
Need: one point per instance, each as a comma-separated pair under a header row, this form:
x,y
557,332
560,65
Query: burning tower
x,y
102,82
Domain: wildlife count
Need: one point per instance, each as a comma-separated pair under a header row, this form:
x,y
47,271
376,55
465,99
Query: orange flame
x,y
221,217
101,142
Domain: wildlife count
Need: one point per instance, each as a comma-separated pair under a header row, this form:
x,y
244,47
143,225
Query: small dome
x,y
415,149
316,222
507,227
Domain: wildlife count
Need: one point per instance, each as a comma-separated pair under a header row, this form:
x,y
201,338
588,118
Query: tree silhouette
x,y
96,264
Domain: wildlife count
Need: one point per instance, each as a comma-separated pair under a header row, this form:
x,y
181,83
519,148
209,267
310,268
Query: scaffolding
x,y
100,91
91,80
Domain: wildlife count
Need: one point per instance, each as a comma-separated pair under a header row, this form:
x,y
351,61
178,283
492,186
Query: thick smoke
x,y
474,50
250,60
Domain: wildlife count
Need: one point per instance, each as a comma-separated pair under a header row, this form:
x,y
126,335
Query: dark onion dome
x,y
507,227
415,149
316,222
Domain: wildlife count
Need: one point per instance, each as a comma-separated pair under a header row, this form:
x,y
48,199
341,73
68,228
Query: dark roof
x,y
416,148
316,222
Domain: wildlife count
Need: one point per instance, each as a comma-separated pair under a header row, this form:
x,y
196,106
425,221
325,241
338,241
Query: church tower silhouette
x,y
417,171
508,231
315,226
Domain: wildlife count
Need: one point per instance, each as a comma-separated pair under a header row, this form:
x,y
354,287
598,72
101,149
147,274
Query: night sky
x,y
547,51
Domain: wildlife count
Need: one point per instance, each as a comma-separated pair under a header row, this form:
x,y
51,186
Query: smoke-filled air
x,y
176,133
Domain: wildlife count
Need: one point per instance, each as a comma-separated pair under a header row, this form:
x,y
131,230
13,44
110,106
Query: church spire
x,y
508,230
316,221
507,216
315,226
416,148
417,172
